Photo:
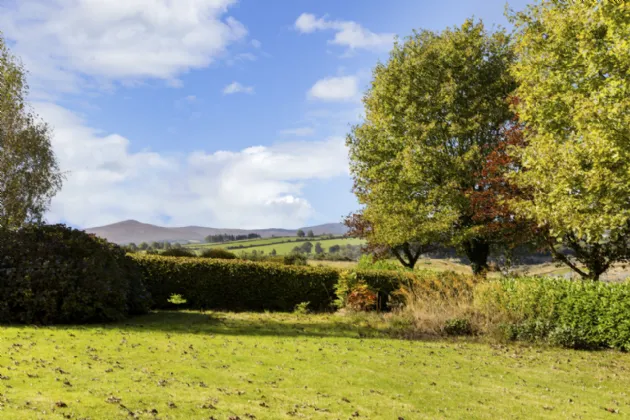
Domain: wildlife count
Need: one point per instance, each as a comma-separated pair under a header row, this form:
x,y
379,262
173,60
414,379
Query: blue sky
x,y
210,112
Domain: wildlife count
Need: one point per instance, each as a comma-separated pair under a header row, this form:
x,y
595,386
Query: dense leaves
x,y
433,112
574,99
55,274
564,312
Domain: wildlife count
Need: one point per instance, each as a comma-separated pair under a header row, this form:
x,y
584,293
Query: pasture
x,y
281,245
183,365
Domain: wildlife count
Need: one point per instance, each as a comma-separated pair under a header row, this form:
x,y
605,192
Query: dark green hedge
x,y
237,285
55,274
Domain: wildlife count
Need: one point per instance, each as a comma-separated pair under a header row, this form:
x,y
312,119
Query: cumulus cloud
x,y
343,88
74,44
236,87
298,131
347,33
259,186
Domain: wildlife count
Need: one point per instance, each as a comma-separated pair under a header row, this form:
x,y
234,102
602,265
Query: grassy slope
x,y
248,242
283,249
277,366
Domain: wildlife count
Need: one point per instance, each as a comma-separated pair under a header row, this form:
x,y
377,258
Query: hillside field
x,y
184,365
282,247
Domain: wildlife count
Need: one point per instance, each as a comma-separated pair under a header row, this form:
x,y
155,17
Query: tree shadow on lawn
x,y
250,324
258,324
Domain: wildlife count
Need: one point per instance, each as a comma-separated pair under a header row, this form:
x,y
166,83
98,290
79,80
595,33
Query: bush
x,y
575,314
236,284
177,252
55,274
295,258
383,283
218,253
458,326
361,298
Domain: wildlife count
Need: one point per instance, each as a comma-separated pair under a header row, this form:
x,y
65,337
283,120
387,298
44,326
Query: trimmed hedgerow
x,y
56,274
237,285
574,314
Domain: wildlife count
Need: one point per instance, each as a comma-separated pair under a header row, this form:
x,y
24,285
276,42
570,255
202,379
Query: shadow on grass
x,y
248,324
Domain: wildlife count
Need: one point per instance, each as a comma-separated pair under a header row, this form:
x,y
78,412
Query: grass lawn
x,y
190,365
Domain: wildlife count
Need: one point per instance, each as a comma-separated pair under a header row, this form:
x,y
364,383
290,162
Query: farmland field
x,y
282,247
183,365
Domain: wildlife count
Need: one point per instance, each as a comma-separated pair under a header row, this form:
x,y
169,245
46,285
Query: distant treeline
x,y
298,239
224,237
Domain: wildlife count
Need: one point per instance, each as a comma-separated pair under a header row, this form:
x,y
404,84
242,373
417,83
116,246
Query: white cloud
x,y
74,44
256,187
347,33
343,88
298,131
256,43
236,87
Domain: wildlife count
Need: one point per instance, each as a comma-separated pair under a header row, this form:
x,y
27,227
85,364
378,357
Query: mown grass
x,y
190,365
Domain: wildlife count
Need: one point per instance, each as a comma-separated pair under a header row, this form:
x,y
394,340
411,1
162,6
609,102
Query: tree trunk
x,y
477,250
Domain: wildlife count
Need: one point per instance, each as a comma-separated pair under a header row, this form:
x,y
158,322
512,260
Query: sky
x,y
218,113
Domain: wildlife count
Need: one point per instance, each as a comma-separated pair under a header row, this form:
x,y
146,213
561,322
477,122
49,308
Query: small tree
x,y
156,245
307,247
300,233
144,246
29,174
310,234
132,246
273,252
334,249
318,248
177,245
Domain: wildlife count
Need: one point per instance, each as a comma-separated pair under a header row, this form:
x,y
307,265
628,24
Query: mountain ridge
x,y
131,230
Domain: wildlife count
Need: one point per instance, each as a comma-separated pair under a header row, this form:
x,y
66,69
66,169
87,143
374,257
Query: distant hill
x,y
134,231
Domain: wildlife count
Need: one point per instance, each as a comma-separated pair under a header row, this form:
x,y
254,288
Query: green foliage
x,y
301,308
218,253
574,99
367,262
383,283
432,114
55,274
178,252
29,174
458,326
177,299
300,233
564,312
295,258
235,284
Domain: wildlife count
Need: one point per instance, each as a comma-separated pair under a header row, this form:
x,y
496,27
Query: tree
x,y
307,247
273,252
29,173
334,249
318,248
300,233
144,246
177,245
167,246
310,234
156,245
297,250
574,84
432,114
132,247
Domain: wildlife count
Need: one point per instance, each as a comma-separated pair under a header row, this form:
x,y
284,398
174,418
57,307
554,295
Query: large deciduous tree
x,y
29,175
433,112
573,72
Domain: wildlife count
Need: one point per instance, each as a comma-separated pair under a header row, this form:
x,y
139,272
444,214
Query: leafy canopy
x,y
432,113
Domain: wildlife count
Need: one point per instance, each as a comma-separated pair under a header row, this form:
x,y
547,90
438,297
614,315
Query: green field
x,y
190,365
279,244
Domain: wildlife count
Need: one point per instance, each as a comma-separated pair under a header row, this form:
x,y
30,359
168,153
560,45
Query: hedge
x,y
248,285
575,314
237,285
56,274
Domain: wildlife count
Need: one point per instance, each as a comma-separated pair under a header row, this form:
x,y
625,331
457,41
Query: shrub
x,y
218,253
55,274
576,314
458,326
178,252
301,308
295,258
236,284
361,298
383,283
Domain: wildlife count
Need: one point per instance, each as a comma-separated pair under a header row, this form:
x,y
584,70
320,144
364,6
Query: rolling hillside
x,y
134,231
